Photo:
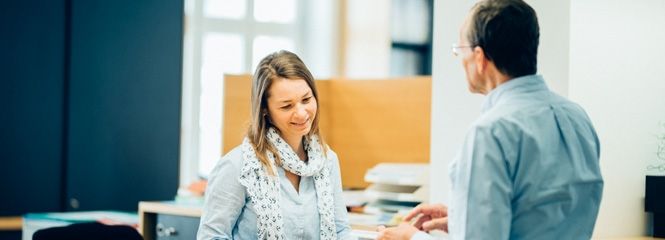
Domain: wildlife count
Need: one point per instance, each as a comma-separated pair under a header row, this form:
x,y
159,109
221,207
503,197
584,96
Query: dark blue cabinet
x,y
124,103
654,202
32,87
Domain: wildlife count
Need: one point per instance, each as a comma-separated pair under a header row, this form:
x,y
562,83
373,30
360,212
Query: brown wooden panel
x,y
324,112
364,121
237,90
377,121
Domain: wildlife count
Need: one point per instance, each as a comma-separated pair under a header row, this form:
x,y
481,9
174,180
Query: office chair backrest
x,y
86,231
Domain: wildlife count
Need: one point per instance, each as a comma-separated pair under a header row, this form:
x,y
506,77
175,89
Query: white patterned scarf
x,y
264,190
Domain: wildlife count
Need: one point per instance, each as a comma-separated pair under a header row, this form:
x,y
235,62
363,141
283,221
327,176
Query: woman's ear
x,y
265,114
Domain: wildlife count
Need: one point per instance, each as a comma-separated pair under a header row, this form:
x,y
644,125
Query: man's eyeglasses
x,y
457,50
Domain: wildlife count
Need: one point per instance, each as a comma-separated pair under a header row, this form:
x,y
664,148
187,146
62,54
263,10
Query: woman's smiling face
x,y
291,107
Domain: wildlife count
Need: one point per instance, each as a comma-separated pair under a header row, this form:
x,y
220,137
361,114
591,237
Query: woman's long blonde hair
x,y
281,64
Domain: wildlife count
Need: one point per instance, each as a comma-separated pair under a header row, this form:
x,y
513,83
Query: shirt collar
x,y
516,85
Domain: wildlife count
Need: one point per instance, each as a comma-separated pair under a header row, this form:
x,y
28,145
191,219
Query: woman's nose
x,y
301,112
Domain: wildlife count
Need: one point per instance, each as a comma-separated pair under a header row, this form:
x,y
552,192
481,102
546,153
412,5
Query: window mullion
x,y
250,34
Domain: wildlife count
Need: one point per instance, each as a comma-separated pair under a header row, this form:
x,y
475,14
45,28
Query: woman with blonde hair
x,y
283,181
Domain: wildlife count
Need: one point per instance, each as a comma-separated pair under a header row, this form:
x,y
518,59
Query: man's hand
x,y
402,232
429,217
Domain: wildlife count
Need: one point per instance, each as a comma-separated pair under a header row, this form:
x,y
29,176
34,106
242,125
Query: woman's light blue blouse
x,y
228,212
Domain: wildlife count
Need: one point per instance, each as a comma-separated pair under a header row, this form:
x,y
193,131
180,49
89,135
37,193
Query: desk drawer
x,y
172,227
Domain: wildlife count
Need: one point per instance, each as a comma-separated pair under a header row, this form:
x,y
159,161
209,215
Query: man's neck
x,y
493,80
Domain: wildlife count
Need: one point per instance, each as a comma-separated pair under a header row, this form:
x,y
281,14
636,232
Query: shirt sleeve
x,y
341,216
480,202
224,200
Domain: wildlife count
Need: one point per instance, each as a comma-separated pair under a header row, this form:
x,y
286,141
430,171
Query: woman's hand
x,y
402,232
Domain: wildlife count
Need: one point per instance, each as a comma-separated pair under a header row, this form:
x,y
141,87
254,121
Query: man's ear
x,y
479,59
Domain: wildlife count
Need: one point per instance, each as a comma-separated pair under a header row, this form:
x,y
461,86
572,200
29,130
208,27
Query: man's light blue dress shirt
x,y
528,168
228,212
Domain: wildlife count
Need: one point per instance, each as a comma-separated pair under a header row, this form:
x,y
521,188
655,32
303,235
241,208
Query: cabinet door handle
x,y
163,231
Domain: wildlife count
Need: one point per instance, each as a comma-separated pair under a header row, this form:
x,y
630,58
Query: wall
x,y
616,72
453,107
553,51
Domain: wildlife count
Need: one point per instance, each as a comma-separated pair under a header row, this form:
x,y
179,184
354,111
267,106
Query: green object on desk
x,y
129,218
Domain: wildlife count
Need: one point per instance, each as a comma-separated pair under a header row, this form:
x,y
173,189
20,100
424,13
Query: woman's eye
x,y
286,107
306,100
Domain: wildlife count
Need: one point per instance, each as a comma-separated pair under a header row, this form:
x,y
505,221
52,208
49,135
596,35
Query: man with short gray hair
x,y
529,165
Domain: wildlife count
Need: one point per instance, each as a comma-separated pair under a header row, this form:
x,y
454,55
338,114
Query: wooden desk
x,y
168,220
630,238
14,223
172,220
